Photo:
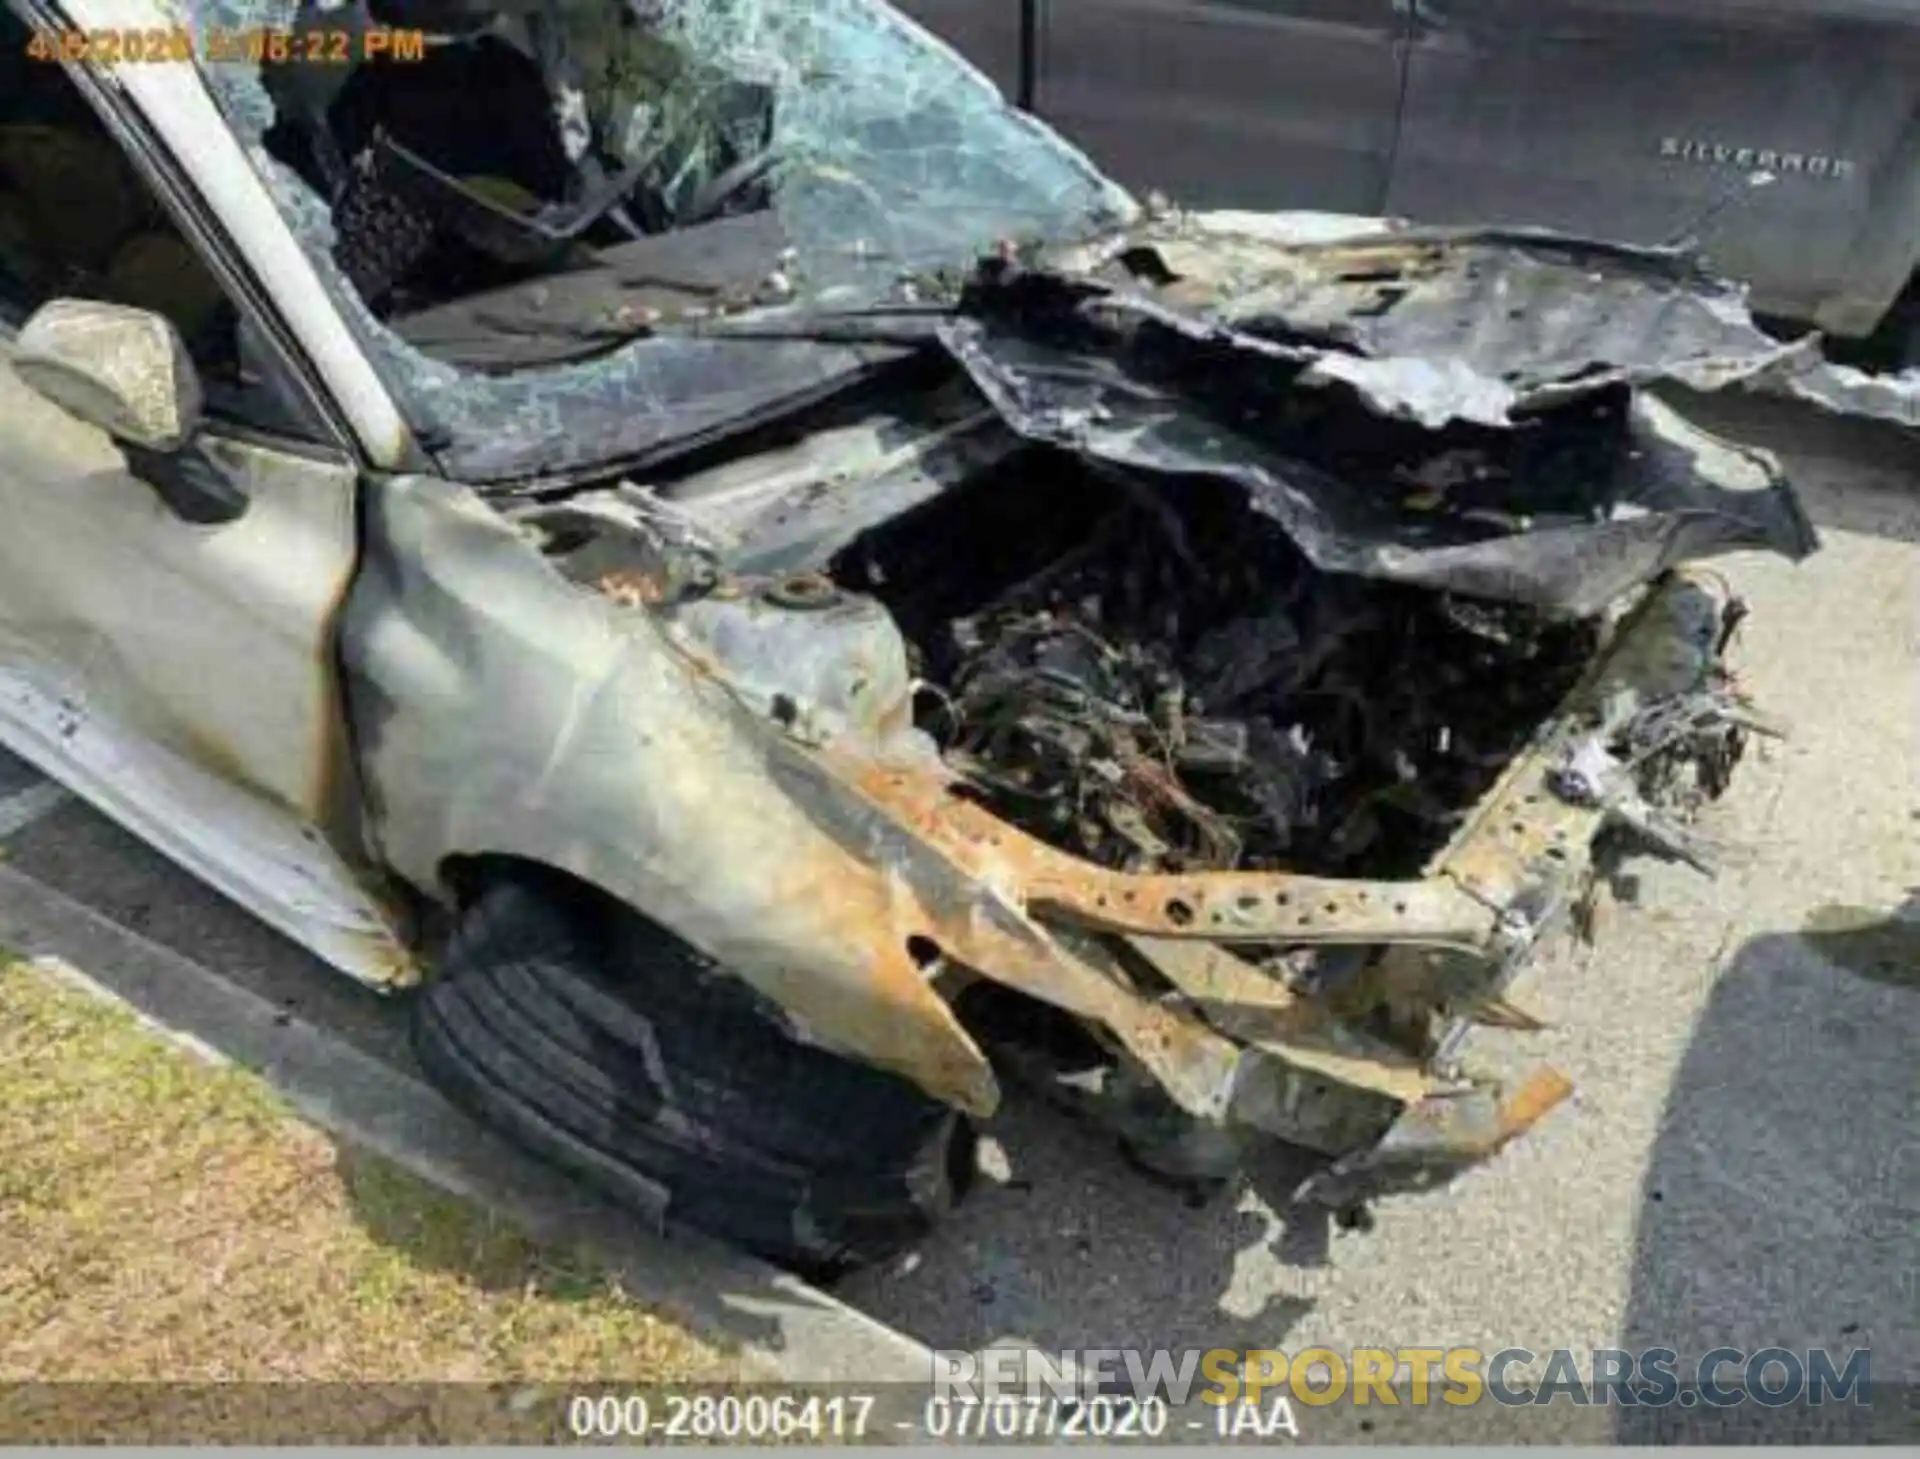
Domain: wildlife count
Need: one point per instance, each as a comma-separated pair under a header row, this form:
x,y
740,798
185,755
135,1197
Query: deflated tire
x,y
613,1049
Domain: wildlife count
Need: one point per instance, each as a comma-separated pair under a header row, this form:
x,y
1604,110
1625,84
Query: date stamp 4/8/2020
x,y
253,44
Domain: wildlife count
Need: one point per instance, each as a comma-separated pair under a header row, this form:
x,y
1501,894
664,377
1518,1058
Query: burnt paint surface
x,y
501,709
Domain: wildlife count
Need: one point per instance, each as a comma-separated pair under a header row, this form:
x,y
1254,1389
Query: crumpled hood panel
x,y
1476,327
1463,412
1519,313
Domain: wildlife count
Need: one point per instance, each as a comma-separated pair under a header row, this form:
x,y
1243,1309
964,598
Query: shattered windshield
x,y
525,205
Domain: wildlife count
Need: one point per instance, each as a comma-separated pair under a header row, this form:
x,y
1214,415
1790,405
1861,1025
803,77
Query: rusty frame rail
x,y
1234,1043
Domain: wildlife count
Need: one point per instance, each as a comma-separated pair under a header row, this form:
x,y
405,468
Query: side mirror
x,y
124,370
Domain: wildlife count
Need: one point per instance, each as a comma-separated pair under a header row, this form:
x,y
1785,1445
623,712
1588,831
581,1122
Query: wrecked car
x,y
769,600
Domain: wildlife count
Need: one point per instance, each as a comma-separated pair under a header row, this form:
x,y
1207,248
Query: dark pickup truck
x,y
1636,120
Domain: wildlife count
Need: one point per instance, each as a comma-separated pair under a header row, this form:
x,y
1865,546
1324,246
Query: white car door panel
x,y
214,639
178,673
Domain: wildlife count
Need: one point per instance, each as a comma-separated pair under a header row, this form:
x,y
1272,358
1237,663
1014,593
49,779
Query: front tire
x,y
613,1049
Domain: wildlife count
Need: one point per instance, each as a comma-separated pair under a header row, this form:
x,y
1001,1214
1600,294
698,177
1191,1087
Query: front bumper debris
x,y
1434,1140
1356,1056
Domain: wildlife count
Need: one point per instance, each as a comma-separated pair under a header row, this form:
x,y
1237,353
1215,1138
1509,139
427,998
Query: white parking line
x,y
24,807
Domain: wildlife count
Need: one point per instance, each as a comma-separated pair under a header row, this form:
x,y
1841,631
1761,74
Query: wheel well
x,y
614,920
464,875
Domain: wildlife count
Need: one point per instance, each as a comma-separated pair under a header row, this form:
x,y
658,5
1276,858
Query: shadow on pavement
x,y
1781,1204
1096,1253
1871,944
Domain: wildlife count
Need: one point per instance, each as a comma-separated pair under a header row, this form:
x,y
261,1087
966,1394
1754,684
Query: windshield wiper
x,y
885,322
494,338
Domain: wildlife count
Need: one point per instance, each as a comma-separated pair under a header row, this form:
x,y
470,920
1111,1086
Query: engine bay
x,y
1152,677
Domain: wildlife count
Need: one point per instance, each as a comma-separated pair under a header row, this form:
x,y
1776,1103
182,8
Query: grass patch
x,y
166,1220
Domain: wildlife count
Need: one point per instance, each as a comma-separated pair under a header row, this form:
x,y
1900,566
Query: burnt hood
x,y
1469,412
1474,412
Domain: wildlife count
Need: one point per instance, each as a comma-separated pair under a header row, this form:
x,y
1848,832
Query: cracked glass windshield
x,y
525,207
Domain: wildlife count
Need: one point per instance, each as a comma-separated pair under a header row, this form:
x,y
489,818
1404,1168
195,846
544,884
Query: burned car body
x,y
767,677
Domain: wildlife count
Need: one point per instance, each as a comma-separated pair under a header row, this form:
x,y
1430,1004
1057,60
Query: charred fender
x,y
500,709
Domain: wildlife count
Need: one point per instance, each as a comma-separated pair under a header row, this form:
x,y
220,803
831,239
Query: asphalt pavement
x,y
1738,1166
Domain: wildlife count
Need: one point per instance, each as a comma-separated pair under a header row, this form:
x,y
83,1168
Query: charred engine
x,y
1153,677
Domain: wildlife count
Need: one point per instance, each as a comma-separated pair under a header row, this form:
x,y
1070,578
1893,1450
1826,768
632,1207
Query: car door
x,y
173,662
1634,119
1255,104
